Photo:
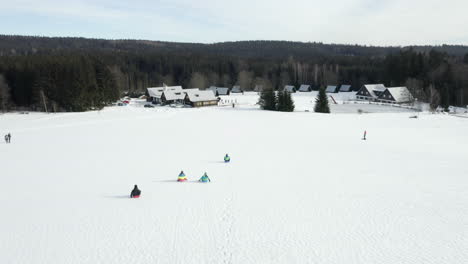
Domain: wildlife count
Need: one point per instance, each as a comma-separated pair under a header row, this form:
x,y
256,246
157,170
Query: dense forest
x,y
78,74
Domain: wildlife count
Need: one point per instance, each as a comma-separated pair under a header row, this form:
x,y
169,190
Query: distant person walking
x,y
8,138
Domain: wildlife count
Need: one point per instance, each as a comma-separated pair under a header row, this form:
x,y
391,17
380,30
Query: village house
x,y
237,89
397,95
331,89
172,97
370,92
155,93
345,88
218,91
289,89
305,88
197,98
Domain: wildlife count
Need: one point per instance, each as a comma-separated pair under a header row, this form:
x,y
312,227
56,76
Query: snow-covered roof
x,y
304,88
195,95
157,91
289,88
219,90
331,89
372,88
174,95
236,89
345,88
400,94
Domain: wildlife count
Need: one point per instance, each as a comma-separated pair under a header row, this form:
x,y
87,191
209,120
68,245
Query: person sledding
x,y
205,178
227,158
182,177
135,192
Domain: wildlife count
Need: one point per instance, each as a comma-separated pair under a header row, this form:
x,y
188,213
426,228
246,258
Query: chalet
x,y
305,88
219,90
172,97
236,89
331,89
289,88
155,93
370,92
397,95
345,88
197,98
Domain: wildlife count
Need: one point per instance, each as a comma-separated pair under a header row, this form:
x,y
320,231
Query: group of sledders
x,y
182,178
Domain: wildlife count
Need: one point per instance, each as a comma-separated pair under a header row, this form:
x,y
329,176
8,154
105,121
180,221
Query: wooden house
x,y
197,98
370,92
398,95
331,89
305,88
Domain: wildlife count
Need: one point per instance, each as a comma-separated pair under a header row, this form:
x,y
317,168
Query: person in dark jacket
x,y
135,192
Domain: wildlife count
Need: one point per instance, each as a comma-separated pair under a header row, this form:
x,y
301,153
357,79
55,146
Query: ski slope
x,y
301,187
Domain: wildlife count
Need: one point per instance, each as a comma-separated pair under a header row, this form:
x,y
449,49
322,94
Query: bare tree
x,y
198,80
4,94
434,98
245,80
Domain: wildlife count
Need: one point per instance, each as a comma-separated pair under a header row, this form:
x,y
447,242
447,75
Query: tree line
x,y
76,74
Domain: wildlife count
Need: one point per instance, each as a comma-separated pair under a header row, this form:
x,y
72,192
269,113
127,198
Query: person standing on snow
x,y
6,138
9,138
135,192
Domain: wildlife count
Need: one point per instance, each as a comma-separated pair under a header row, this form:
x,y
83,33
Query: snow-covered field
x,y
301,188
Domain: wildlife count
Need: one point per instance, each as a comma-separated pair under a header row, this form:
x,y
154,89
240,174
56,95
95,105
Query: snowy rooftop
x,y
331,89
345,88
197,95
400,94
304,88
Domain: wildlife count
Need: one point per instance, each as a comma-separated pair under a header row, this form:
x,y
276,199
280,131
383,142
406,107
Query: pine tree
x,y
321,102
268,100
285,102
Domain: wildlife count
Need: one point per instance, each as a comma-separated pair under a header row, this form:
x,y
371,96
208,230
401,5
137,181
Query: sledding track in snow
x,y
301,188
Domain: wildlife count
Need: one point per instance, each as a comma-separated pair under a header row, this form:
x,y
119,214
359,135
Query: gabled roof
x,y
172,95
345,88
304,88
289,88
157,91
400,94
372,88
236,89
219,90
195,95
331,89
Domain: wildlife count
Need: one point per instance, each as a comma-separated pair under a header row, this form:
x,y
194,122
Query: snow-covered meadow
x,y
301,187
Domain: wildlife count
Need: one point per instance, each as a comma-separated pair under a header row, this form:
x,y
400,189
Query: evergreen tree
x,y
321,102
268,99
285,102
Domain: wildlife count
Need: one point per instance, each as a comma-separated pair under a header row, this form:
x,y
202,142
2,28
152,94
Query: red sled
x,y
182,180
135,196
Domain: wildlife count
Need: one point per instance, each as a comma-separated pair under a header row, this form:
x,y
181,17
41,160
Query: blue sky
x,y
384,22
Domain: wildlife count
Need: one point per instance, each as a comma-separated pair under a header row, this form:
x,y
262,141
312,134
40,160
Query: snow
x,y
319,195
